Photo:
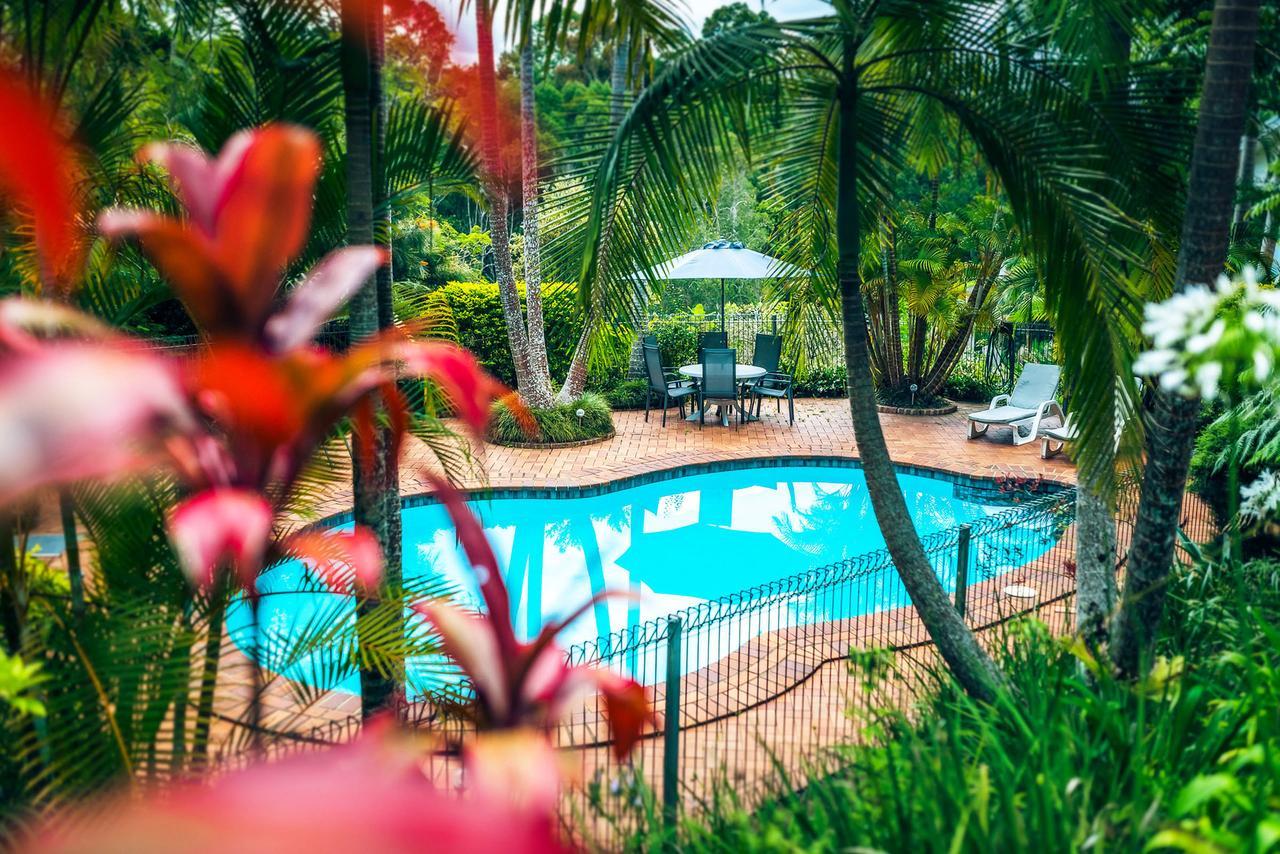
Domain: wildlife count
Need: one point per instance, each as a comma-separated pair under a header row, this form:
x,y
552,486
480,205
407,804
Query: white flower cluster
x,y
1260,500
1205,337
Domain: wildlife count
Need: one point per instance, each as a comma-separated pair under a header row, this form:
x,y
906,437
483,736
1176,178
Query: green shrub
x,y
626,393
969,382
822,382
482,329
1068,759
558,424
677,342
1254,438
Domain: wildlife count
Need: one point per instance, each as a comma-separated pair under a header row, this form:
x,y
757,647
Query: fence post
x,y
671,739
962,569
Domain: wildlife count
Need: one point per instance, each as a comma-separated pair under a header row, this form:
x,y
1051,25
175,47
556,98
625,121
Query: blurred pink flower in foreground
x,y
370,795
523,684
241,420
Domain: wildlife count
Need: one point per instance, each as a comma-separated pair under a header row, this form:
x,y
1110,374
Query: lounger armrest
x,y
1050,407
998,400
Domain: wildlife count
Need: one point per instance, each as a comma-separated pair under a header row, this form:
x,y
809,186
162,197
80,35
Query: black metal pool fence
x,y
996,353
769,681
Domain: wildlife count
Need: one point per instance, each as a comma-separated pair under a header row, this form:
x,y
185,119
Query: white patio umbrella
x,y
722,259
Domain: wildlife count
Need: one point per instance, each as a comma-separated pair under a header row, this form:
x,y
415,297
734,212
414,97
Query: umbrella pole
x,y
722,326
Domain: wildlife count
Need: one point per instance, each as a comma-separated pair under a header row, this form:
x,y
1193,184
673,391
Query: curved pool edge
x,y
1051,482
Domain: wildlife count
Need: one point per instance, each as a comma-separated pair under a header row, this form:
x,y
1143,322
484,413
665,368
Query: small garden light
x,y
581,412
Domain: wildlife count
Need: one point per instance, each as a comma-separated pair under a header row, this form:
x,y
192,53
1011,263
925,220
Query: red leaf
x,y
76,410
470,390
472,642
367,796
249,394
328,285
188,261
627,707
38,173
264,212
482,559
222,527
340,557
249,213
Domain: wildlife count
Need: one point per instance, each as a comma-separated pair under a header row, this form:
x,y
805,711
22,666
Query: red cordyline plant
x,y
237,423
519,684
240,420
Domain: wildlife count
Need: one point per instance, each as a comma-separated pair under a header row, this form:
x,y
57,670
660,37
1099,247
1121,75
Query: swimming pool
x,y
673,541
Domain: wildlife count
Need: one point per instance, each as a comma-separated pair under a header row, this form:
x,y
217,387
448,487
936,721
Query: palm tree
x,y
823,102
1206,231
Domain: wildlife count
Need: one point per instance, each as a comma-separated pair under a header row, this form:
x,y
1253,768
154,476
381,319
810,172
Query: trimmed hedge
x,y
483,330
559,424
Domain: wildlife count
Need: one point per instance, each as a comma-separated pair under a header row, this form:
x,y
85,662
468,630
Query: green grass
x,y
1069,760
558,424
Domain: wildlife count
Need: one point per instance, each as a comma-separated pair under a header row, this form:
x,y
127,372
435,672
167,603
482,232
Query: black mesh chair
x,y
775,383
719,382
651,340
664,383
711,340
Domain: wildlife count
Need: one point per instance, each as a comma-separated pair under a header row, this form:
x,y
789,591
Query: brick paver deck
x,y
822,428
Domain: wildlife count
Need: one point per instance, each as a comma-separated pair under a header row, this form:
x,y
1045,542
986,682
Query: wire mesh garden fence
x,y
769,682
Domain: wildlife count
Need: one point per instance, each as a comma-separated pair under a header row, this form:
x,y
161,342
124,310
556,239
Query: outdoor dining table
x,y
741,372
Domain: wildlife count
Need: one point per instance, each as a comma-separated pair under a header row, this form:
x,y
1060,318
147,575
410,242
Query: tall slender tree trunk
x,y
972,667
368,482
496,192
1095,565
540,373
378,690
1171,422
892,313
576,378
71,542
1095,522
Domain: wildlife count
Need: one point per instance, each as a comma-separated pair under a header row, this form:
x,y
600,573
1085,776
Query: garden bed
x,y
946,409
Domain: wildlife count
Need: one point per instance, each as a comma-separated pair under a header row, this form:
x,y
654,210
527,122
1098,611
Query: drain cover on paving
x,y
1019,591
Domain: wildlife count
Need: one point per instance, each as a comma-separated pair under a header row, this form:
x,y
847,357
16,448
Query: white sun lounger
x,y
1053,440
1030,403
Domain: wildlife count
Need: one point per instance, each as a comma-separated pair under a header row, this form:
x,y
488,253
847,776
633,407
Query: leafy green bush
x,y
625,393
1253,439
557,424
968,382
822,382
677,342
482,329
1068,759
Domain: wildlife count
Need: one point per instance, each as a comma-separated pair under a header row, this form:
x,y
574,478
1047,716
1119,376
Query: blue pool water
x,y
674,543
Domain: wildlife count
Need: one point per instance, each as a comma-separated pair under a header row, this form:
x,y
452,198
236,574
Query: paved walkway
x,y
822,428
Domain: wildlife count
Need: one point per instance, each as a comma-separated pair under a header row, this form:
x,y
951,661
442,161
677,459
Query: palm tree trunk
x,y
972,667
576,378
1171,423
12,588
496,192
368,483
540,373
892,378
1095,566
75,575
218,595
378,691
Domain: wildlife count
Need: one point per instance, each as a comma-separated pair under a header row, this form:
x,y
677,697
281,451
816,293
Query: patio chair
x,y
775,384
670,386
710,340
1053,440
1030,402
719,382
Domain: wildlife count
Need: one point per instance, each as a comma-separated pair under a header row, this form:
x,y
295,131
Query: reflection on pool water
x,y
674,543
